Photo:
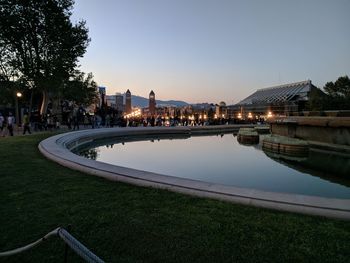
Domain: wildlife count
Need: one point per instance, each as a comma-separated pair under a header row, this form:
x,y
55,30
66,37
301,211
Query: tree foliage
x,y
81,89
336,96
339,93
39,43
318,100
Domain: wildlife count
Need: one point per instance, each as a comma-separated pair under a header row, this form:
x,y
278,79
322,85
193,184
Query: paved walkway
x,y
18,131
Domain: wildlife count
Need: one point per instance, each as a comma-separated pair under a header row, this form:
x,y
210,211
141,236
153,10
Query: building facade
x,y
152,103
102,96
119,102
221,110
128,107
288,99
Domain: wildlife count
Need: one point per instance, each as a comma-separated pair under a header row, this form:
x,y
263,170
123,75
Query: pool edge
x,y
55,148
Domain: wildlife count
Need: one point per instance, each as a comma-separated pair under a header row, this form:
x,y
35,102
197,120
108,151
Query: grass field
x,y
125,223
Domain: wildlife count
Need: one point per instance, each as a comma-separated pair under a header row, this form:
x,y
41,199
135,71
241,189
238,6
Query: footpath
x,y
18,131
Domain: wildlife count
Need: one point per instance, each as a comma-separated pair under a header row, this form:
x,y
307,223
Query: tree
x,y
8,76
339,93
318,100
41,44
80,88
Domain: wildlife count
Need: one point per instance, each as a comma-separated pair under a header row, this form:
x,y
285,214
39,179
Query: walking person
x,y
75,117
2,124
26,124
10,123
108,121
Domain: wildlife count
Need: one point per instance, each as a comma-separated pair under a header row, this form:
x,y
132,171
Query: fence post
x,y
66,247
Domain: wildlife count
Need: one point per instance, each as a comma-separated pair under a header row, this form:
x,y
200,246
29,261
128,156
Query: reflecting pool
x,y
221,159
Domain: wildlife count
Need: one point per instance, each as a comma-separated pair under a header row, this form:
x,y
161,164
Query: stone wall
x,y
334,130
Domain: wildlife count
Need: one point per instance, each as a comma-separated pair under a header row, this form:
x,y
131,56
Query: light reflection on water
x,y
222,160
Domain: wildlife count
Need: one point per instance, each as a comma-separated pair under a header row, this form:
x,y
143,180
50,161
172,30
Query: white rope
x,y
29,246
72,242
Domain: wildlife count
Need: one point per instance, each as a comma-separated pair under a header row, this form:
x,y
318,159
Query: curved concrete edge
x,y
55,148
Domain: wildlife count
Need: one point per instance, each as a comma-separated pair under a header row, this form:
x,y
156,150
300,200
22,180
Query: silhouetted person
x,y
10,123
26,124
2,124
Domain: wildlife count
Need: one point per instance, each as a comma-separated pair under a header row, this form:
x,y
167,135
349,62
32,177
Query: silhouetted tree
x,y
41,43
318,100
80,88
339,93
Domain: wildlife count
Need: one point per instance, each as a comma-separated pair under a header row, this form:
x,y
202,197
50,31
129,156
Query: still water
x,y
221,159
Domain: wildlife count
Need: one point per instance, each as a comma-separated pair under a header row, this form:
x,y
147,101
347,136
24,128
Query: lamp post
x,y
18,95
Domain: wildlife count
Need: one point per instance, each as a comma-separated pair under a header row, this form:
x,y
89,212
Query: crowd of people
x,y
75,117
8,123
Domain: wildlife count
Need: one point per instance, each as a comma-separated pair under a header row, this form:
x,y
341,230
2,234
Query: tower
x,y
152,103
128,102
119,105
102,97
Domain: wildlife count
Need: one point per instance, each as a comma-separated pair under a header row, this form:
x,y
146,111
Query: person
x,y
10,123
75,117
2,124
26,123
108,121
98,120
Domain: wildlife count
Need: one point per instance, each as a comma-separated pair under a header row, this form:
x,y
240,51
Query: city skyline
x,y
209,51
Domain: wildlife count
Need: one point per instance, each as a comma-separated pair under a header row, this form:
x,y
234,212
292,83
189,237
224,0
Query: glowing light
x,y
215,116
250,115
205,116
239,116
269,115
19,94
135,113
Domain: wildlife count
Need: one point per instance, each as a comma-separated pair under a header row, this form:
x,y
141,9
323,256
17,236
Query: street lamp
x,y
18,95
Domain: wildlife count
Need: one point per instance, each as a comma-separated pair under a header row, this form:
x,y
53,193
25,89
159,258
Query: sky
x,y
213,50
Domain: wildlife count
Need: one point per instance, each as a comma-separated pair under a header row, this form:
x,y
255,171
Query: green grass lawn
x,y
125,223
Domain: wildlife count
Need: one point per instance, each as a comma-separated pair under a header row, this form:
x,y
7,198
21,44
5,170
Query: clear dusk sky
x,y
213,50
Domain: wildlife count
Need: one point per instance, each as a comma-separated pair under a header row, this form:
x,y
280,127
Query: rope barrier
x,y
71,241
78,247
29,246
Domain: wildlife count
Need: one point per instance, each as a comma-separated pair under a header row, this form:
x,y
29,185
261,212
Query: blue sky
x,y
213,50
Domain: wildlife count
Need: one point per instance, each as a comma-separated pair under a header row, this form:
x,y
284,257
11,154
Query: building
x,y
152,103
221,110
102,97
119,102
285,99
128,108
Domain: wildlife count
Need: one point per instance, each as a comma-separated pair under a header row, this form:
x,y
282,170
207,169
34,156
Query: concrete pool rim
x,y
59,149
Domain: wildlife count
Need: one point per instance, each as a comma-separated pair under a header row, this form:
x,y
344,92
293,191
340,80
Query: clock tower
x,y
128,102
152,103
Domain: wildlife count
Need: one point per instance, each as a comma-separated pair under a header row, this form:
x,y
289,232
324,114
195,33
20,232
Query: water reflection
x,y
89,153
330,166
221,159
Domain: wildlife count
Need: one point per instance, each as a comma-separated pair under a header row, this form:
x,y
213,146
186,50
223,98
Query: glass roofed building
x,y
284,99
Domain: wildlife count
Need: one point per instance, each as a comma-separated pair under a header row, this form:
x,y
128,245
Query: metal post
x,y
66,247
17,111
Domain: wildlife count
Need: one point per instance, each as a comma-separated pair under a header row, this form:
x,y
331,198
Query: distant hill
x,y
138,101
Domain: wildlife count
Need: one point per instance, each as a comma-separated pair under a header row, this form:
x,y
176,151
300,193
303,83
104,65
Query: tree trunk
x,y
44,103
